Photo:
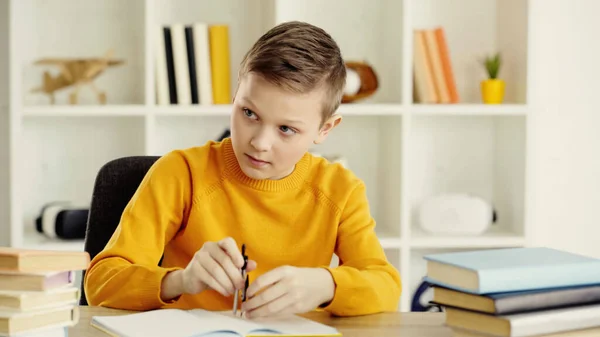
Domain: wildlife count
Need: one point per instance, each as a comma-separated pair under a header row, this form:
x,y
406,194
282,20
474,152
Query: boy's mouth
x,y
255,161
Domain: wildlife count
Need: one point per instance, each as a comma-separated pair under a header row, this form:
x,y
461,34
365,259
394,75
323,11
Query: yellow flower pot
x,y
492,91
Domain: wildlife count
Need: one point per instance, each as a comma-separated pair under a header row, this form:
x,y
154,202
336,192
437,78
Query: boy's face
x,y
271,129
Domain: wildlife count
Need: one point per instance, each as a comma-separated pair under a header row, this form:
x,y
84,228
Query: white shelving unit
x,y
403,151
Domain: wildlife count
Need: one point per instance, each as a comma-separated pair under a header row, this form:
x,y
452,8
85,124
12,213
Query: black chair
x,y
115,184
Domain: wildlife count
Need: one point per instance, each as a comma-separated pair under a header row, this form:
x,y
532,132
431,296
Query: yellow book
x,y
199,322
220,64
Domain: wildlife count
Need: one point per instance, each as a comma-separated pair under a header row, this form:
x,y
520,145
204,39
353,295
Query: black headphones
x,y
418,303
62,220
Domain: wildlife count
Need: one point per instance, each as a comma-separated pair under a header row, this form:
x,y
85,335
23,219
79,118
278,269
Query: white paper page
x,y
295,325
162,322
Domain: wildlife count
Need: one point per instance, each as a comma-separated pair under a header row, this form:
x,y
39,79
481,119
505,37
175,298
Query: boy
x,y
261,188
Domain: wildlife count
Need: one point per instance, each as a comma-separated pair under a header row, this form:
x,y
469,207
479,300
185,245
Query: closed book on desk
x,y
20,323
592,332
525,324
518,301
511,269
15,281
31,260
198,322
22,301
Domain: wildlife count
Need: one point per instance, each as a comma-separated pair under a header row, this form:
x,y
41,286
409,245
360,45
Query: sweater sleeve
x,y
126,273
365,282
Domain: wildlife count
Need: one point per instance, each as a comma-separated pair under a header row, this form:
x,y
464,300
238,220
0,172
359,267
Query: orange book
x,y
32,261
446,64
220,65
435,61
423,77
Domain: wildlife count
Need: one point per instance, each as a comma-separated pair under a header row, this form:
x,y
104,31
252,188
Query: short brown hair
x,y
299,57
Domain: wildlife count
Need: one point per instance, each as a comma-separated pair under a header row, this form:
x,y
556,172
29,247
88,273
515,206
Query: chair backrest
x,y
116,183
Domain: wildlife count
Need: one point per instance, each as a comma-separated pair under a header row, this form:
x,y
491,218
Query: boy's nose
x,y
261,141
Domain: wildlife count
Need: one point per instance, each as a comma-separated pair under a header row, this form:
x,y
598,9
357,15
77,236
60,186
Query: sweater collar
x,y
234,171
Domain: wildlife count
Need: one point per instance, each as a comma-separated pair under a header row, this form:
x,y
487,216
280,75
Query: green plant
x,y
492,65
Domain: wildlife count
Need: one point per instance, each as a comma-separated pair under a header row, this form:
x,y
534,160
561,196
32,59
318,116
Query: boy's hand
x,y
288,290
216,266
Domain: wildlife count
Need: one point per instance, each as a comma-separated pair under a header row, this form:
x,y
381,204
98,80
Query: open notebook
x,y
198,322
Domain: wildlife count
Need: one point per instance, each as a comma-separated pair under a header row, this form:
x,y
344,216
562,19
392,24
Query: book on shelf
x,y
433,76
38,296
510,292
192,64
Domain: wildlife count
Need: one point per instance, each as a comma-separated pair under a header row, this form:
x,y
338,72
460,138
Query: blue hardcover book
x,y
511,269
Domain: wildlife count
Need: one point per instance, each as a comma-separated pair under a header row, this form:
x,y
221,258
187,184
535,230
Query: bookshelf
x,y
404,151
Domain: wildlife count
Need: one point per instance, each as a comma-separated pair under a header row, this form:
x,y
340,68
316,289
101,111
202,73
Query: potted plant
x,y
492,89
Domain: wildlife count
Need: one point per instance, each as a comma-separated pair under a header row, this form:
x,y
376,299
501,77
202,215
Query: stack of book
x,y
525,292
432,68
192,64
38,296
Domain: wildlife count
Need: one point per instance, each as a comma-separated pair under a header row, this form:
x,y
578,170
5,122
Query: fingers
x,y
205,276
265,297
281,305
230,247
220,264
267,279
215,272
224,261
251,265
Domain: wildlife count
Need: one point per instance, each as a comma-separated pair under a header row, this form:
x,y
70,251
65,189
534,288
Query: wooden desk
x,y
379,325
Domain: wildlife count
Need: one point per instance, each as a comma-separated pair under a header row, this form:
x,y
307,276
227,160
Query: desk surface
x,y
379,325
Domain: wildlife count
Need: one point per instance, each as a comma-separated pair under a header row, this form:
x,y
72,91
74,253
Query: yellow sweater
x,y
200,194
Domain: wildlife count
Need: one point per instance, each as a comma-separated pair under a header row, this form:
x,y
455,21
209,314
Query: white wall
x,y
565,143
4,135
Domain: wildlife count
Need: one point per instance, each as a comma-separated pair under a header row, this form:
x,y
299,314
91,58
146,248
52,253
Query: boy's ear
x,y
329,124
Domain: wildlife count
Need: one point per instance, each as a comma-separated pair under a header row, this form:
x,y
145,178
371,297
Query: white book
x,y
160,66
526,324
203,70
180,60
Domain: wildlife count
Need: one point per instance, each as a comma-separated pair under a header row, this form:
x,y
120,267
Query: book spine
x,y
161,68
203,63
180,59
170,65
220,67
542,300
191,57
541,277
554,321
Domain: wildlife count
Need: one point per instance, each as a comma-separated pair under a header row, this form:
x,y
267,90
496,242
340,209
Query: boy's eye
x,y
249,113
287,130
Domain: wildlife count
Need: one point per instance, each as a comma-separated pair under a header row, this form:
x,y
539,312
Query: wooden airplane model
x,y
75,73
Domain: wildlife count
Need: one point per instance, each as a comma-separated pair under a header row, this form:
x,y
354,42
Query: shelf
x,y
479,156
192,110
352,109
35,240
403,152
85,111
469,109
390,242
489,240
374,109
474,30
65,155
85,29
